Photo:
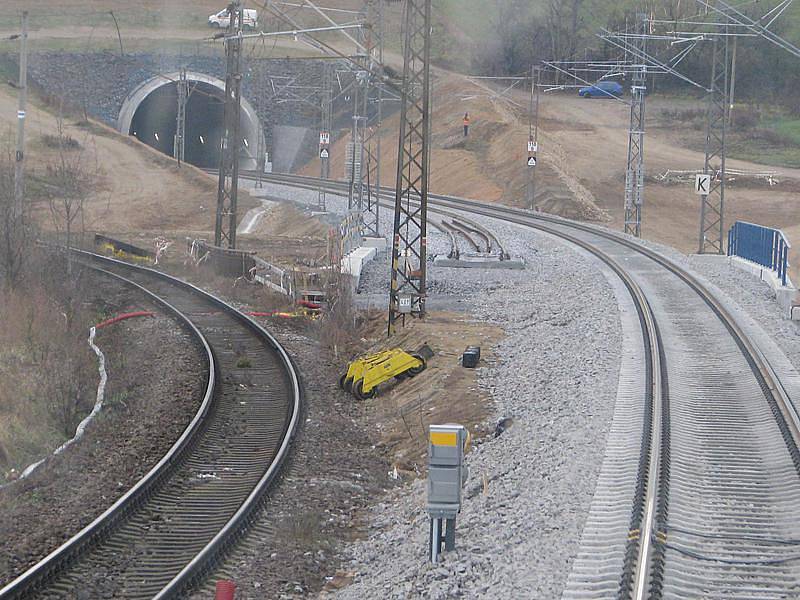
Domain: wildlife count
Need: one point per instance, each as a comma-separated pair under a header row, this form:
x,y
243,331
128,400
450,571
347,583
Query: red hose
x,y
122,317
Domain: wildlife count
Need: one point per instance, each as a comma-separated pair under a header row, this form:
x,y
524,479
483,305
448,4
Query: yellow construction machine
x,y
365,374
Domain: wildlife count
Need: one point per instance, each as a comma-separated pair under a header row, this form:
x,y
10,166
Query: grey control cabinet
x,y
447,474
446,469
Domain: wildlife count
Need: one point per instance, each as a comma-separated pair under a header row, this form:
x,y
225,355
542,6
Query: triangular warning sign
x,y
323,153
531,161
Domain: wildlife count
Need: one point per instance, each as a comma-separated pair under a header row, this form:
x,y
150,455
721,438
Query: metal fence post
x,y
784,261
765,246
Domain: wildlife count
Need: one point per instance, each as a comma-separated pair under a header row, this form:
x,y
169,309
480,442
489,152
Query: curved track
x,y
164,534
699,493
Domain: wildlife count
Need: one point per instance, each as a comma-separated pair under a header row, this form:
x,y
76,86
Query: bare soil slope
x,y
671,214
582,156
139,193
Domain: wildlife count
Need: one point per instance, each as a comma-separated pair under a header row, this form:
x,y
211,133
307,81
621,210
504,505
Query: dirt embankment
x,y
490,163
582,158
445,392
137,194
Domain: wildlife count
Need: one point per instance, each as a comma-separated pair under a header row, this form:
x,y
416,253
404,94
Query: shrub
x,y
57,142
746,117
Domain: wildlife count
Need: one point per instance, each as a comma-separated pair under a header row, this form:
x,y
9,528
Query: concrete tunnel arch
x,y
149,113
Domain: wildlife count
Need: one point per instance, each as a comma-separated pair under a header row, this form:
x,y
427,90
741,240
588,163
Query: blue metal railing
x,y
763,245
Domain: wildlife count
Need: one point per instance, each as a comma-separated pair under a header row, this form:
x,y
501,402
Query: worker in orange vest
x,y
466,124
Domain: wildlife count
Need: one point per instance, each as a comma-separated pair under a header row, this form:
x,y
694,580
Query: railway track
x,y
699,492
163,535
477,237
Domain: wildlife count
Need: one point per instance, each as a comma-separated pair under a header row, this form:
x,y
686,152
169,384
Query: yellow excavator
x,y
365,374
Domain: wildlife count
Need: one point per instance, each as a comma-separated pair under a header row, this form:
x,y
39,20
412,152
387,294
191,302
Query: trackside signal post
x,y
533,137
447,474
326,119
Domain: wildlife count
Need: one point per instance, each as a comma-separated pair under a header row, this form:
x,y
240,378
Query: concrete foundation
x,y
479,262
353,263
785,295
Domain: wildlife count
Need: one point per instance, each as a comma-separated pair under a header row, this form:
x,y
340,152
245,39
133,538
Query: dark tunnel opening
x,y
154,123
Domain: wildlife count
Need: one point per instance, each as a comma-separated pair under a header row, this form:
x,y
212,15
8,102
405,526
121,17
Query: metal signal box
x,y
447,472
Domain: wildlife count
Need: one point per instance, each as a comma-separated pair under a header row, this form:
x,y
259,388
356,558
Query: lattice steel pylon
x,y
712,205
407,289
326,123
372,40
179,145
354,160
228,182
634,173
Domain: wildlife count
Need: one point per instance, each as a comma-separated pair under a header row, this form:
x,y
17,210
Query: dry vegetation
x,y
445,392
46,367
47,370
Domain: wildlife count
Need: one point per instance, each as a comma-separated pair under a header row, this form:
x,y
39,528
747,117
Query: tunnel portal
x,y
150,114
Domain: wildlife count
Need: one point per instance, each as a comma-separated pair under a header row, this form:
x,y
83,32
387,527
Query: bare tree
x,y
564,21
14,221
72,175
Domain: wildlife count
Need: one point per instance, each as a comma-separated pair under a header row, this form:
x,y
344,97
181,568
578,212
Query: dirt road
x,y
597,145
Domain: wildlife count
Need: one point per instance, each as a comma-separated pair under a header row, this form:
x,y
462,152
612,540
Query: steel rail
x,y
472,229
451,235
33,577
93,535
464,233
387,193
645,574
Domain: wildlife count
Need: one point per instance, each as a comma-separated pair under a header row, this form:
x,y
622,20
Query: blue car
x,y
601,89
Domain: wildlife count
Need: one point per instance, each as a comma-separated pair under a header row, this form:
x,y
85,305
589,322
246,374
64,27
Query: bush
x,y
684,114
58,142
775,138
47,370
746,117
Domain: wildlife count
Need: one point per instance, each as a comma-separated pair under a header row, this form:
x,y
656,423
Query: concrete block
x,y
785,295
479,262
354,262
378,243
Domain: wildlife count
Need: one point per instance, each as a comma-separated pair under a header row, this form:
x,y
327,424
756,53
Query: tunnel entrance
x,y
150,114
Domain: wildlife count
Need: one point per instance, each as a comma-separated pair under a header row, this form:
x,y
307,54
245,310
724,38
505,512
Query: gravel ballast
x,y
745,292
556,375
530,488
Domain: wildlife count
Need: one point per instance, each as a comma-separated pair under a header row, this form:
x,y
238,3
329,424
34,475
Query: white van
x,y
222,20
